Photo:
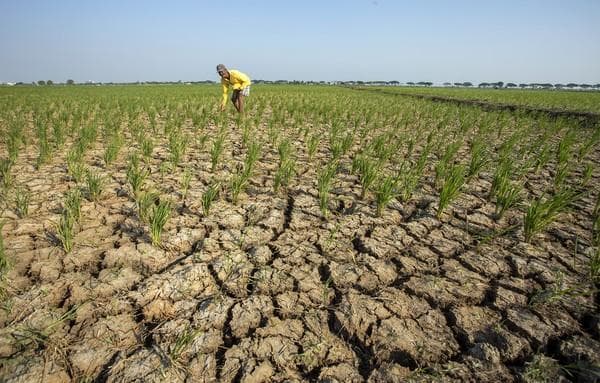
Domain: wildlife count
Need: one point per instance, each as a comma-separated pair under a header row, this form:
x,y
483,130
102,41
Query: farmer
x,y
240,83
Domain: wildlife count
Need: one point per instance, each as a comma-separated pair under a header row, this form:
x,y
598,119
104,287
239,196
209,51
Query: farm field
x,y
329,234
575,101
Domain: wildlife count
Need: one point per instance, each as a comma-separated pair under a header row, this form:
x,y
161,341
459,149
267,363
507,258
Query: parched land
x,y
327,235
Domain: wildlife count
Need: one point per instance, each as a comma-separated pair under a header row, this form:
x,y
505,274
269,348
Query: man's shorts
x,y
244,92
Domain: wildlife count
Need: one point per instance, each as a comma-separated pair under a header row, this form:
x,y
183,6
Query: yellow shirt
x,y
237,80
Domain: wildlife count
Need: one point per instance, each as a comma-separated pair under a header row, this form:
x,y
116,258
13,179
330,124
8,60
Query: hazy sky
x,y
420,40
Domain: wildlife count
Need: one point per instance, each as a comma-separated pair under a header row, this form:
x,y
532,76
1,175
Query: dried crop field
x,y
329,234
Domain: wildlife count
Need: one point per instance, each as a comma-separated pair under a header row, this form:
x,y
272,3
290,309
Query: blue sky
x,y
427,40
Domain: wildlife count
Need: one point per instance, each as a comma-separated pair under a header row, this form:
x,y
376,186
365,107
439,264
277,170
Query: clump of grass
x,y
541,369
453,183
22,199
594,266
409,179
94,182
145,201
237,184
543,211
158,219
177,146
135,174
252,156
111,152
147,148
386,191
75,166
324,182
445,163
182,342
208,197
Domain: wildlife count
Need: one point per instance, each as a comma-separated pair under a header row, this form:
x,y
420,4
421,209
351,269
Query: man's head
x,y
222,71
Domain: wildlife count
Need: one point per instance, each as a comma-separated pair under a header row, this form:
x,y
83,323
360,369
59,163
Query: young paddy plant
x,y
75,165
508,195
72,203
115,142
325,178
5,174
367,169
312,144
237,184
217,150
208,197
186,179
144,202
385,192
158,219
479,158
284,174
453,183
135,174
147,147
4,263
543,211
65,230
22,200
94,183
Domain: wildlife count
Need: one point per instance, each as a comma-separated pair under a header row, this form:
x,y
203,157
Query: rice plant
x,y
252,156
324,183
22,199
94,183
65,231
186,178
158,218
453,183
4,263
385,192
135,174
75,165
367,169
177,146
543,211
5,168
237,184
147,148
445,162
508,195
409,179
208,197
144,202
312,144
284,174
588,172
72,203
111,152
479,158
217,150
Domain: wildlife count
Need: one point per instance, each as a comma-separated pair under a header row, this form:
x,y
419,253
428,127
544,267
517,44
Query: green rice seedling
x,y
588,171
14,141
147,148
541,369
135,174
43,145
561,174
324,183
94,182
208,197
453,183
246,134
445,162
182,342
252,156
589,144
217,150
158,219
4,263
75,166
479,158
65,231
237,184
112,150
145,201
285,150
368,170
543,211
202,141
501,174
312,144
508,194
565,145
284,174
72,203
5,167
542,157
594,265
186,178
177,146
22,199
385,192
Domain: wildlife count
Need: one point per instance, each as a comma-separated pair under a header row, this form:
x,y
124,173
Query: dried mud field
x,y
306,282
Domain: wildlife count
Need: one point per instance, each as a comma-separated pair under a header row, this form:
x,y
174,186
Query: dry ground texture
x,y
328,235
